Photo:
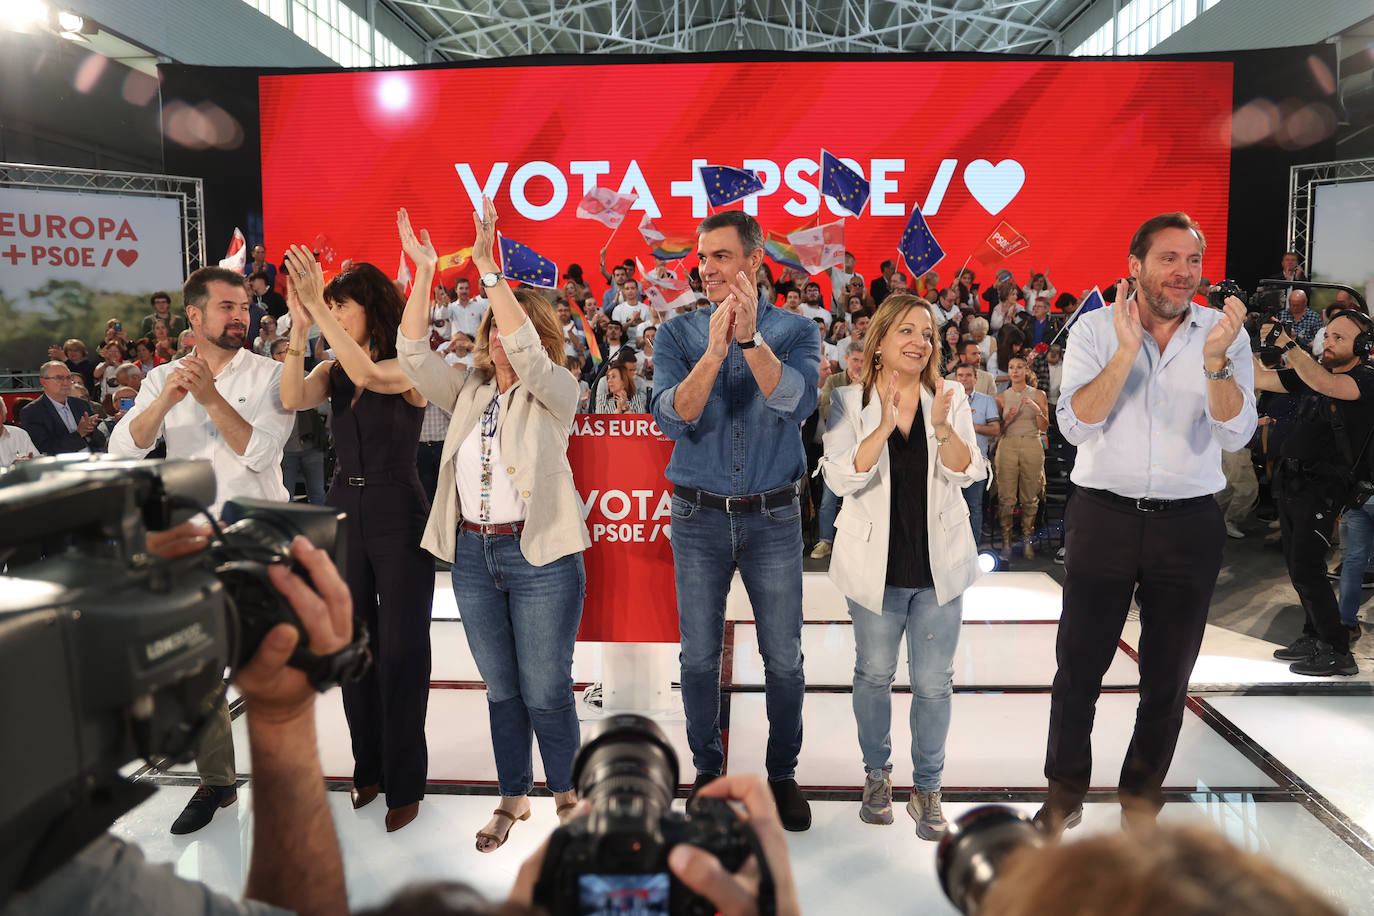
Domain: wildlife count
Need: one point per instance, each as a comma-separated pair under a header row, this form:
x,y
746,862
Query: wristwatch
x,y
1225,373
491,278
752,342
1291,345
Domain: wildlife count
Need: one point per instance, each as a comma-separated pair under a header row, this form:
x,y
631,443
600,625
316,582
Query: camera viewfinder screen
x,y
623,895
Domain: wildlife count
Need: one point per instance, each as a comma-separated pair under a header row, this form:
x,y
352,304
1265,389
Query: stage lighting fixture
x,y
68,21
988,561
395,93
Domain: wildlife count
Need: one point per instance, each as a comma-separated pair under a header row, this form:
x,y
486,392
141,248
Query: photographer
x,y
295,862
1320,463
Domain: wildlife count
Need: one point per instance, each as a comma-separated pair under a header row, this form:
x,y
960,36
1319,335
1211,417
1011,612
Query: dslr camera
x,y
108,654
615,860
972,852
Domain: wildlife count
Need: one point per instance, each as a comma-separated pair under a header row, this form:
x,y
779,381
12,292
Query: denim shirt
x,y
742,443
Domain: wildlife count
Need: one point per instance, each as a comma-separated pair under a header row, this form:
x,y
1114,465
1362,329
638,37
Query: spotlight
x,y
23,15
68,21
988,561
395,93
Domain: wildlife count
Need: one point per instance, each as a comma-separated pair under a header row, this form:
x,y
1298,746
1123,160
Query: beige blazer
x,y
534,442
858,564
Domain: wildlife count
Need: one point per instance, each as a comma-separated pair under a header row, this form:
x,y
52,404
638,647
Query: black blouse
x,y
908,553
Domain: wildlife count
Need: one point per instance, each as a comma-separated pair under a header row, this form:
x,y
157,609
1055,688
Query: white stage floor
x,y
1280,764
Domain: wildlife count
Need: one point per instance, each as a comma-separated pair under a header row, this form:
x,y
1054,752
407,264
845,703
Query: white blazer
x,y
858,561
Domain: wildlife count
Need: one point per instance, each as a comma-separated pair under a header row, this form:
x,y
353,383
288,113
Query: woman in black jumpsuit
x,y
376,420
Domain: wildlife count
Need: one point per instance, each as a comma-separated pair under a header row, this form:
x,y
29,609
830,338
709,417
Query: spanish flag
x,y
451,265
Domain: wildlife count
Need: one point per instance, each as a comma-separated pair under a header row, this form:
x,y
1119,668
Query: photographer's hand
x,y
295,860
736,893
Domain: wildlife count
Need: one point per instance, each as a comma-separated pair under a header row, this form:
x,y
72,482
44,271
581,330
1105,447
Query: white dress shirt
x,y
505,501
252,386
467,318
15,443
1160,439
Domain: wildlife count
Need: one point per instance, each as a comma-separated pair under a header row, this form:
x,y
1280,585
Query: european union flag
x,y
918,247
520,262
1091,302
724,184
844,184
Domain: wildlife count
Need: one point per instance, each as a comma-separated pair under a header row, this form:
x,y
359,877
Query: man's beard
x,y
226,341
1161,307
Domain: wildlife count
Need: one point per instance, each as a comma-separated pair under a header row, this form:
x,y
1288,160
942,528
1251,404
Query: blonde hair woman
x,y
899,449
507,517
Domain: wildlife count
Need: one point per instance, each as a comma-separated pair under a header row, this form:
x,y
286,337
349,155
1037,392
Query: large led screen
x,y
1071,154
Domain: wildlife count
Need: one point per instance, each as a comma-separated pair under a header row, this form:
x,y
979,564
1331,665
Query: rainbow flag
x,y
777,247
592,346
674,249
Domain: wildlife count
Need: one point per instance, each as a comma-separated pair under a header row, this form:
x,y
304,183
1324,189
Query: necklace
x,y
489,417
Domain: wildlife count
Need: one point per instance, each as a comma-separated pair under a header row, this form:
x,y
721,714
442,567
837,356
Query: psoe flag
x,y
839,181
918,247
606,206
820,246
236,258
523,263
725,184
1001,243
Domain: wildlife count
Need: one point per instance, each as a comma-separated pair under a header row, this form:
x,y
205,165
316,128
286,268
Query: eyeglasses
x,y
59,378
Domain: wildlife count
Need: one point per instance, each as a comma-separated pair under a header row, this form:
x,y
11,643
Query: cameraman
x,y
295,862
1324,456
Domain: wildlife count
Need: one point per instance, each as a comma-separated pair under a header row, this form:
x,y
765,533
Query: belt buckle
x,y
357,481
744,504
1148,504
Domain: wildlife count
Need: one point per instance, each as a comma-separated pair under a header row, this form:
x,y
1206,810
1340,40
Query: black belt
x,y
433,442
773,499
373,478
1145,503
1296,467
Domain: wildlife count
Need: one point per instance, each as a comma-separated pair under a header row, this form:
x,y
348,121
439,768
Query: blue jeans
x,y
310,463
973,495
932,633
521,622
830,507
766,546
1358,534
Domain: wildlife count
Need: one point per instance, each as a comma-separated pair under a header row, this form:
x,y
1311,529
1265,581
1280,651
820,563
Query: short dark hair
x,y
811,283
366,285
886,264
197,288
1145,235
750,232
258,275
152,300
617,324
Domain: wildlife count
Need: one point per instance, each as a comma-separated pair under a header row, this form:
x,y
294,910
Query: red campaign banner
x,y
1075,153
618,462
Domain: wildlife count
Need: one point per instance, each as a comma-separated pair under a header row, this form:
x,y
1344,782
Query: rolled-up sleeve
x,y
1235,433
1082,364
670,368
796,394
841,444
271,428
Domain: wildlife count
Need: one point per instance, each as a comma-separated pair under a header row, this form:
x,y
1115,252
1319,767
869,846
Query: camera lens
x,y
974,848
628,771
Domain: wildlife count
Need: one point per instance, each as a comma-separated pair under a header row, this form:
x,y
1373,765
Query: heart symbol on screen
x,y
994,186
127,255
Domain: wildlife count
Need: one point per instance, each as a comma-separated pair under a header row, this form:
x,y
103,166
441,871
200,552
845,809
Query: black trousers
x,y
1169,559
1307,513
427,457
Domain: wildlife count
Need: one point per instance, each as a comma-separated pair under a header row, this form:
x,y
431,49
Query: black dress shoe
x,y
701,780
1053,822
793,809
202,807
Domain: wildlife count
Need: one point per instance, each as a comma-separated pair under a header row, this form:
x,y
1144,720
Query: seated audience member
x,y
144,354
162,308
1306,323
163,352
948,344
1187,871
73,352
267,332
15,444
791,301
978,332
113,355
1003,287
123,400
927,286
457,350
57,422
1006,308
969,355
129,375
947,305
186,341
618,393
614,340
267,300
114,330
859,326
897,285
645,367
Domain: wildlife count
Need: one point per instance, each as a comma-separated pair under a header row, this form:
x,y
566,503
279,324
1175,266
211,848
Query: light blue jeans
x,y
308,464
932,633
1357,537
830,508
973,495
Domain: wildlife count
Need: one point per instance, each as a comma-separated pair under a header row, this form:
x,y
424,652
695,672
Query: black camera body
x,y
107,654
615,860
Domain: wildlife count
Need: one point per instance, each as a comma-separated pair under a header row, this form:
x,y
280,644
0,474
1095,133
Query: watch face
x,y
490,279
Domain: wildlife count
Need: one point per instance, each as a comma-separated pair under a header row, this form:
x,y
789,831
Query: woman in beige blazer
x,y
898,448
507,517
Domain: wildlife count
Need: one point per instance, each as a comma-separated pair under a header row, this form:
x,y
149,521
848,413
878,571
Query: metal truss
x,y
188,191
1303,181
476,29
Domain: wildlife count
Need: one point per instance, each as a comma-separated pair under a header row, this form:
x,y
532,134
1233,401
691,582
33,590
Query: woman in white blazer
x,y
507,517
899,446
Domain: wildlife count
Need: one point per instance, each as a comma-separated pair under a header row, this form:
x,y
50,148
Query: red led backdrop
x,y
1073,154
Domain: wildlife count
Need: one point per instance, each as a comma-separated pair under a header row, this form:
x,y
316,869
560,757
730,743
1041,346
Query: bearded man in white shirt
x,y
221,402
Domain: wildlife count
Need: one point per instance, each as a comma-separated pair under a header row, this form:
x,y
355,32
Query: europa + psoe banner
x,y
618,463
69,262
1074,154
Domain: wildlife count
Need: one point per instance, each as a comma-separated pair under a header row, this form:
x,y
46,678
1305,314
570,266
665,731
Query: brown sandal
x,y
500,840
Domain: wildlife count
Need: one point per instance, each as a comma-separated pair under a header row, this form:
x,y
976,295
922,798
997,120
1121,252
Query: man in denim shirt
x,y
734,383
